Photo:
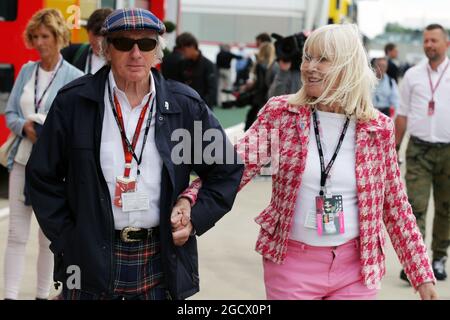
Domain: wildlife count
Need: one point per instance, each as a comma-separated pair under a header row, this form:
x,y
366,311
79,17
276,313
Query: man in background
x,y
424,111
385,95
87,56
391,52
197,71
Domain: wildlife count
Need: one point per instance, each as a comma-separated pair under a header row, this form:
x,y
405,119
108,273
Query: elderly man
x,y
104,180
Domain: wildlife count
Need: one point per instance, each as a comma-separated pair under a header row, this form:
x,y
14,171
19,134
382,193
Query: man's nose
x,y
135,51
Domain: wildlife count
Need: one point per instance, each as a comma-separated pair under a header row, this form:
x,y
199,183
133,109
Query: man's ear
x,y
107,53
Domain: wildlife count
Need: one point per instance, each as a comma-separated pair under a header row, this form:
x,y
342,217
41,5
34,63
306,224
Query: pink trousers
x,y
317,273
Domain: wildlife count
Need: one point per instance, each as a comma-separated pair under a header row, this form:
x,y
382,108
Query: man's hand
x,y
30,133
427,291
181,221
182,235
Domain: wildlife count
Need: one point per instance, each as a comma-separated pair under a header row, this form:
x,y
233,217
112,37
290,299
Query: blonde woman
x,y
337,184
30,100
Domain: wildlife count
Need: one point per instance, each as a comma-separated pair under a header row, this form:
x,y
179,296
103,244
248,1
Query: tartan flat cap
x,y
132,19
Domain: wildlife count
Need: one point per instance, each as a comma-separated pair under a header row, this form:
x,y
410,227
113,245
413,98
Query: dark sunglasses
x,y
126,44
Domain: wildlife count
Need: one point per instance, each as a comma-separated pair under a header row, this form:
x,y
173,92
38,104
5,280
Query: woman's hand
x,y
30,133
427,291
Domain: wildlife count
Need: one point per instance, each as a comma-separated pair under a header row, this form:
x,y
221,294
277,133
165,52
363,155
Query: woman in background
x,y
30,100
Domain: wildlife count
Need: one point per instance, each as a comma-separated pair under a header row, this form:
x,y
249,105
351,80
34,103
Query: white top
x,y
28,109
341,181
415,94
112,159
97,62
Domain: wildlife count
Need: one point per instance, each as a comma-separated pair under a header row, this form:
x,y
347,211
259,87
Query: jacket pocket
x,y
60,255
381,244
269,219
187,272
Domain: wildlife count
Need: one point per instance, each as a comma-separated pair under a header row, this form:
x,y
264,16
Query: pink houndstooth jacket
x,y
381,194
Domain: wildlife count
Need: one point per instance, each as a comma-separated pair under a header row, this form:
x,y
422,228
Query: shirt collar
x,y
116,89
441,67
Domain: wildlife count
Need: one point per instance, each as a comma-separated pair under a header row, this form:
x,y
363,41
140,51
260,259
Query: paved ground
x,y
229,266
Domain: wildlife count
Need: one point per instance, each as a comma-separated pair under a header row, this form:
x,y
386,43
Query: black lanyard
x,y
89,61
325,171
37,103
122,130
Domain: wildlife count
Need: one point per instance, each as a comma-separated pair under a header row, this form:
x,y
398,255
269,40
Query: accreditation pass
x,y
135,201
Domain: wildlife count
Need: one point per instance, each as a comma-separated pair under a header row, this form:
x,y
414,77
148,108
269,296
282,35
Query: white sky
x,y
374,14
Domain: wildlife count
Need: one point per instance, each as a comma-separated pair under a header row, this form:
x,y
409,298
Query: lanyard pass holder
x,y
431,107
124,184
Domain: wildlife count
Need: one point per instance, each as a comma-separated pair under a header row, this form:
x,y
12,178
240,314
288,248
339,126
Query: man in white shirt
x,y
425,112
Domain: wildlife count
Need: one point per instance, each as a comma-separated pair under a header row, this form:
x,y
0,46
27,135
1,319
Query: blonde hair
x,y
266,53
350,80
53,20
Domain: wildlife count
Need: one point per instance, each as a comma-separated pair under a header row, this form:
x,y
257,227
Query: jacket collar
x,y
95,91
164,101
373,125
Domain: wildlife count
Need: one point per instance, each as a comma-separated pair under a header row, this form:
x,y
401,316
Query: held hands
x,y
181,221
30,133
427,291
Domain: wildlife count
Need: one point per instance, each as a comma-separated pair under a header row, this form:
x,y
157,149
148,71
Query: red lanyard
x,y
433,89
128,148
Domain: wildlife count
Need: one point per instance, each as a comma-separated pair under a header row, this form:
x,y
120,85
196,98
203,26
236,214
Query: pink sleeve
x,y
400,221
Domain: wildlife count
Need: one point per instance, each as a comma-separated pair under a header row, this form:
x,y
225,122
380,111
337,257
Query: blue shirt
x,y
386,94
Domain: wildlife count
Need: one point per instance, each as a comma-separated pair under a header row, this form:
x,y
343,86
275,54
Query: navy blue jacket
x,y
70,196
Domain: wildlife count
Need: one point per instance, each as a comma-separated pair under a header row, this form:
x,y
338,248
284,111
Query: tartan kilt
x,y
138,273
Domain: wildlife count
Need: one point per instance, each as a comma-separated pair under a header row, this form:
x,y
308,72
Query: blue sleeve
x,y
395,96
14,117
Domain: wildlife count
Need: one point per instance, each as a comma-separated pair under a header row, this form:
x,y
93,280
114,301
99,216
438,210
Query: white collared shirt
x,y
112,158
97,62
415,93
28,108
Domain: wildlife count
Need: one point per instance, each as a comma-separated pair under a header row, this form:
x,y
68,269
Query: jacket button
x,y
161,118
104,248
